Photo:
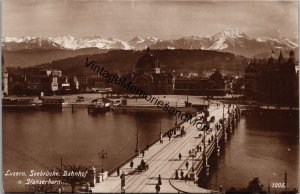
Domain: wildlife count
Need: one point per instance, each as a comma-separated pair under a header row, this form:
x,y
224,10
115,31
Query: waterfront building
x,y
97,83
82,81
214,85
36,85
16,82
40,82
150,77
46,82
4,78
272,81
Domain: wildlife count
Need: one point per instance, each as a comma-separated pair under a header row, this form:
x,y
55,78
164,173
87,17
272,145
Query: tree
x,y
74,175
43,188
255,186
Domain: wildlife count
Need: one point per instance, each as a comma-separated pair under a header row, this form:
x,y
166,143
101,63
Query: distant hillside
x,y
32,57
121,61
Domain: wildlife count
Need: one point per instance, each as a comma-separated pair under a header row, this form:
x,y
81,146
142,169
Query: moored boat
x,y
20,103
99,105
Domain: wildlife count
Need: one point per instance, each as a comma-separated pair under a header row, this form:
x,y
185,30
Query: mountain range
x,y
233,41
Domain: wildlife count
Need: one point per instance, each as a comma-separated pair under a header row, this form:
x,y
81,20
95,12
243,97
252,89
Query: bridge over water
x,y
163,158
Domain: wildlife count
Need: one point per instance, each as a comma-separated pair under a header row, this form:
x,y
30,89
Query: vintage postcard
x,y
150,96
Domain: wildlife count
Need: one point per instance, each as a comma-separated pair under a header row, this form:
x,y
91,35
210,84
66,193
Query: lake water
x,y
262,146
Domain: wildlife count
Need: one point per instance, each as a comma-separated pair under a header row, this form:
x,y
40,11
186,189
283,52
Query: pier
x,y
162,158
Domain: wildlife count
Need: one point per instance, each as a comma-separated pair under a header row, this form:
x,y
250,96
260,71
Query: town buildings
x,y
148,75
214,85
272,81
43,82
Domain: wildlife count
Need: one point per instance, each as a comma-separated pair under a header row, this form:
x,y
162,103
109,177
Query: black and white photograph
x,y
150,96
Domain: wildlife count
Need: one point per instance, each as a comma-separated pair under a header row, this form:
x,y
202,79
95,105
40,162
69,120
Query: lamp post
x,y
193,161
285,182
223,123
176,116
137,150
160,128
206,129
102,155
216,138
60,189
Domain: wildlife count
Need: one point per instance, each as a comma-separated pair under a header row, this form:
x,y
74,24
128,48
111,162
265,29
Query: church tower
x,y
280,58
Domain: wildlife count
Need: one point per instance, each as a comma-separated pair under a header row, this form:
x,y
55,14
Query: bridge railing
x,y
198,165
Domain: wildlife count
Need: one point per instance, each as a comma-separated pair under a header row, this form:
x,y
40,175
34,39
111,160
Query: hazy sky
x,y
144,18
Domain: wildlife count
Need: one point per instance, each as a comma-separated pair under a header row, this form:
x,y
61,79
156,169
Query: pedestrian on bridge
x,y
122,190
122,177
186,177
181,174
179,156
157,188
187,164
159,180
131,164
143,153
118,171
143,164
176,174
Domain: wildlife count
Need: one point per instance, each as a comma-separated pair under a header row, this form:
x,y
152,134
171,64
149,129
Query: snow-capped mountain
x,y
234,41
225,39
29,43
141,43
63,42
219,41
70,42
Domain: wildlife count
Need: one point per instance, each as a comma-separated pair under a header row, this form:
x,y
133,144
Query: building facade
x,y
272,81
214,85
4,78
43,82
149,77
